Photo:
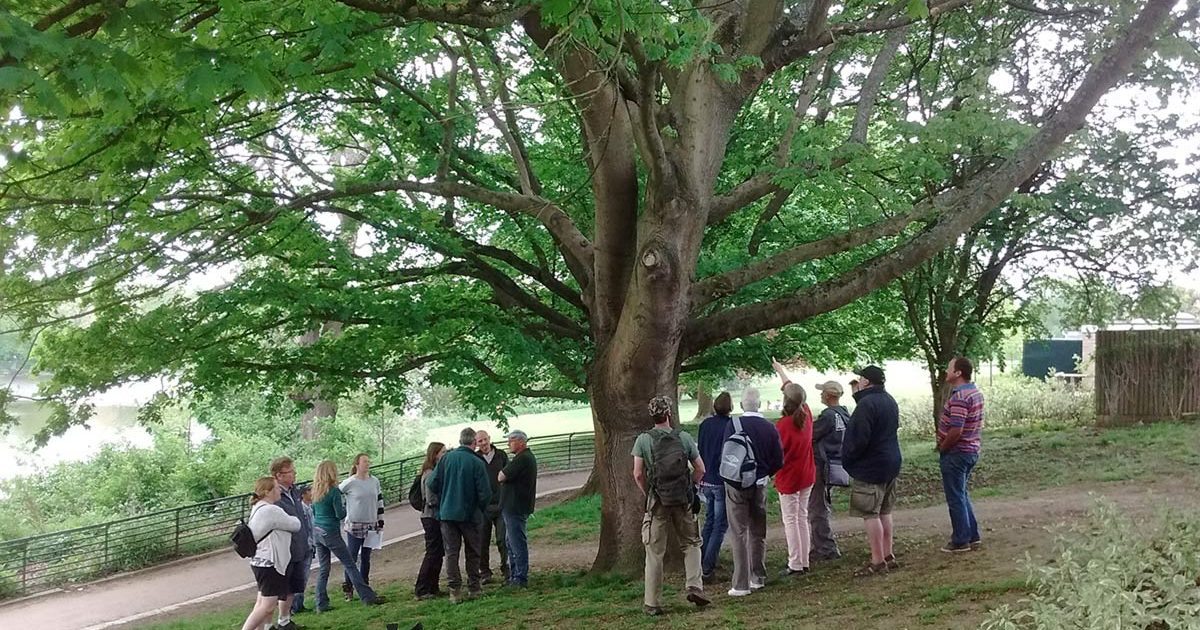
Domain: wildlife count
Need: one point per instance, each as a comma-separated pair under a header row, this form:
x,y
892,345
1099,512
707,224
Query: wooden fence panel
x,y
1147,375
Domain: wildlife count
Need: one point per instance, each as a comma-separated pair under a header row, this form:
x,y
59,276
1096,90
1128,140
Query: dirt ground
x,y
931,590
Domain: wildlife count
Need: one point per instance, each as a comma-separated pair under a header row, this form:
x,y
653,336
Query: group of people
x,y
469,494
292,524
727,469
476,493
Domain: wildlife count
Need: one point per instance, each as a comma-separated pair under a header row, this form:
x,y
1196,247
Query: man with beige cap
x,y
828,430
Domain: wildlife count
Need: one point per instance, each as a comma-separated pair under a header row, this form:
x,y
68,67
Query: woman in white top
x,y
364,515
272,528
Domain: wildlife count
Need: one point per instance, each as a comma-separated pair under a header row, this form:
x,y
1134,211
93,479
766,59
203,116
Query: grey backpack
x,y
739,467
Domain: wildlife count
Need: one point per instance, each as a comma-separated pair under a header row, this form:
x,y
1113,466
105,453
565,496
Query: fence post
x,y
106,525
177,511
25,568
570,436
400,490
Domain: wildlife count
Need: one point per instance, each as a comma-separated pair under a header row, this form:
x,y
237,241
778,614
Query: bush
x,y
1012,400
1114,573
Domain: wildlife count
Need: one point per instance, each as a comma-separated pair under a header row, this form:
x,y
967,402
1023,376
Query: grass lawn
x,y
932,590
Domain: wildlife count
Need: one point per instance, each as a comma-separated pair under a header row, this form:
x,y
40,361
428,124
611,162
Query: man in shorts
x,y
871,455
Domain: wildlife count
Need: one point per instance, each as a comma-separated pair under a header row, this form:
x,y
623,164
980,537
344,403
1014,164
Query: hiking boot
x,y
424,597
456,596
868,569
378,601
953,548
891,562
653,611
697,597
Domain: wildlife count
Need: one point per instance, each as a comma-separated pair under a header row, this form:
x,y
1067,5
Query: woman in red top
x,y
795,480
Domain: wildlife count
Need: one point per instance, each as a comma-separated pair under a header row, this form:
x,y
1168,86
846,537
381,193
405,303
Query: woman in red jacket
x,y
795,480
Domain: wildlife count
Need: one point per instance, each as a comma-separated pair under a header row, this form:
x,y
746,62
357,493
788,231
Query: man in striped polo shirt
x,y
958,433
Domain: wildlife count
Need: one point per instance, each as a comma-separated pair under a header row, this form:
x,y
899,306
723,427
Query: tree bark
x,y
704,403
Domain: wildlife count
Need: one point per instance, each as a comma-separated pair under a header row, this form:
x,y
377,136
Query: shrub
x,y
1114,573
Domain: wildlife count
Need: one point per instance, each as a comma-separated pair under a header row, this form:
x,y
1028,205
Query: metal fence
x,y
37,563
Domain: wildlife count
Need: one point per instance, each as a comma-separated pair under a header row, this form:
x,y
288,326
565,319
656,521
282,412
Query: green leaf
x,y
917,9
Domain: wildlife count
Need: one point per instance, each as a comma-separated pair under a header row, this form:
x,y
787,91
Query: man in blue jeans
x,y
518,489
713,433
958,435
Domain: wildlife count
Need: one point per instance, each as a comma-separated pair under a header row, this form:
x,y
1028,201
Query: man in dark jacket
x,y
495,460
871,455
460,481
828,430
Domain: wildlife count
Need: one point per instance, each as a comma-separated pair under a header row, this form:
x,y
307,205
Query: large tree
x,y
554,198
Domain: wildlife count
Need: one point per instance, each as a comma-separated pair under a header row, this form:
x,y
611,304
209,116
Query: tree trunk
x,y
704,403
939,389
319,409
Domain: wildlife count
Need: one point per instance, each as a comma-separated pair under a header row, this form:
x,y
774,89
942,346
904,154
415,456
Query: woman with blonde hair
x,y
272,528
364,517
328,511
431,565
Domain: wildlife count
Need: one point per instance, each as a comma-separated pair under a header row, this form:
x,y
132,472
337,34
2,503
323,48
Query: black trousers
x,y
431,565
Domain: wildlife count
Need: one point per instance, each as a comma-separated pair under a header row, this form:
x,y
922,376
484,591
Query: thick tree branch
x,y
874,83
575,247
713,288
959,209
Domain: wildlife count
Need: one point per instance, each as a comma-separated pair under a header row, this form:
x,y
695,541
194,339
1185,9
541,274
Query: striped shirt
x,y
964,409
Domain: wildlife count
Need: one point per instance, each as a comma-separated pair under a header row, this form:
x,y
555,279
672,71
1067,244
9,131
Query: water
x,y
114,422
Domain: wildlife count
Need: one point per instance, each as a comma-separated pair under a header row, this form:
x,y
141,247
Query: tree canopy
x,y
536,198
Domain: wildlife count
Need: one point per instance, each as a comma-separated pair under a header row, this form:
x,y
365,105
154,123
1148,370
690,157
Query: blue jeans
x,y
362,554
713,533
332,543
956,470
298,598
517,538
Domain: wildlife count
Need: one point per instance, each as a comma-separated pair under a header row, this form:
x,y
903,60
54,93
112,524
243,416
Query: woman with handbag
x,y
828,430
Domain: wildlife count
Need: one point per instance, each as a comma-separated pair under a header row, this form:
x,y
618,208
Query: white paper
x,y
374,539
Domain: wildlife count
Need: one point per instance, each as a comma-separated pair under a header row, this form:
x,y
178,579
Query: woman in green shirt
x,y
329,508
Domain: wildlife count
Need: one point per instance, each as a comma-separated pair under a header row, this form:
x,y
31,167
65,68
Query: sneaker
x,y
653,611
697,597
953,548
424,597
869,569
828,557
788,572
348,592
487,579
456,596
290,625
755,586
891,562
733,592
976,545
476,594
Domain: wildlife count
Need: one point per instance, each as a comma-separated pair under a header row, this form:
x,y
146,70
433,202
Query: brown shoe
x,y
891,562
868,569
697,597
653,611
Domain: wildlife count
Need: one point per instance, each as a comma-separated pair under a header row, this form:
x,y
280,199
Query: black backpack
x,y
670,477
416,495
243,539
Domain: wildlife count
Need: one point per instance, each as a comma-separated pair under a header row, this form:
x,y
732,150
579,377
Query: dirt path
x,y
1012,528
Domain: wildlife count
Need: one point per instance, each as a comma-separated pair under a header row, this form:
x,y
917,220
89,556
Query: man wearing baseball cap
x,y
828,430
871,455
518,488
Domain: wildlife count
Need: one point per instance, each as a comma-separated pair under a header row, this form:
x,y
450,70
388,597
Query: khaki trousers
x,y
657,524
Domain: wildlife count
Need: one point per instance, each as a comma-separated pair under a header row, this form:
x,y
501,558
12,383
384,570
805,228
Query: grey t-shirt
x,y
363,502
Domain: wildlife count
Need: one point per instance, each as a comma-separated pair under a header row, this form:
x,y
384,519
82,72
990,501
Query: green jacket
x,y
461,483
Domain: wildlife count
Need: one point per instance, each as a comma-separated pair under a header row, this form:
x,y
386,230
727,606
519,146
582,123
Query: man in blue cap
x,y
518,489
